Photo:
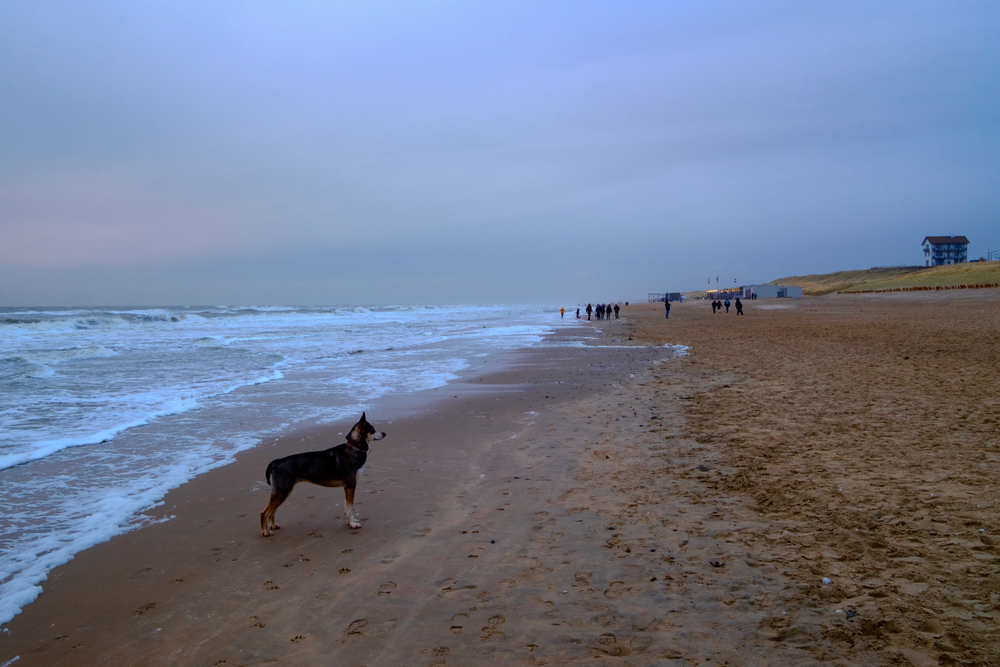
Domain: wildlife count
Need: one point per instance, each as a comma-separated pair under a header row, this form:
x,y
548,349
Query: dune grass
x,y
891,278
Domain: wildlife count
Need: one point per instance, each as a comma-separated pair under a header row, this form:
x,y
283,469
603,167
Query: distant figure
x,y
577,313
589,311
666,302
739,306
616,311
713,306
727,305
562,313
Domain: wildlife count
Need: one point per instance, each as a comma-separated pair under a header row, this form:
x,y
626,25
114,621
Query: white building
x,y
940,250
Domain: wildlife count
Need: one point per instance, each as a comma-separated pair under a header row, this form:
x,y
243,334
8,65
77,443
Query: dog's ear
x,y
362,420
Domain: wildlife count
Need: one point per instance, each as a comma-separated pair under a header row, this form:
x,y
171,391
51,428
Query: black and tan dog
x,y
337,466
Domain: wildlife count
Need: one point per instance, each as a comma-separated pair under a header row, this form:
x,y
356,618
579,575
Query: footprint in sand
x,y
355,627
491,632
386,588
477,552
458,621
640,643
297,638
615,590
345,570
607,639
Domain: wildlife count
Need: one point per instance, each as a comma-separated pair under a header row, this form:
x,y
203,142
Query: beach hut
x,y
770,291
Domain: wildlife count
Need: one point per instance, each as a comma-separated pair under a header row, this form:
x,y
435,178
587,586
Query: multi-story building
x,y
940,250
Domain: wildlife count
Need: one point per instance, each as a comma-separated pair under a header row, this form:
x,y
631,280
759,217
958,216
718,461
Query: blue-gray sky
x,y
459,152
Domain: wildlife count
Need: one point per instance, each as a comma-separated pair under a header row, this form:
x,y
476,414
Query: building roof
x,y
945,239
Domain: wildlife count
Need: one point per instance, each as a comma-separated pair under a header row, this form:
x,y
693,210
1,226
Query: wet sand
x,y
608,505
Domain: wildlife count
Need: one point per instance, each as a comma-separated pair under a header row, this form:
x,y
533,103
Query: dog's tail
x,y
270,467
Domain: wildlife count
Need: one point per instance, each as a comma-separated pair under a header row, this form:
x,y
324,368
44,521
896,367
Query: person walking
x,y
666,302
739,306
589,311
713,306
727,305
562,313
616,311
577,313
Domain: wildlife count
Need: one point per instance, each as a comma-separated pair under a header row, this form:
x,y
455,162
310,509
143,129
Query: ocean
x,y
104,410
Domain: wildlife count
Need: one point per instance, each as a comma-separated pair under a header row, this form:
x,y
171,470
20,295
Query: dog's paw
x,y
355,524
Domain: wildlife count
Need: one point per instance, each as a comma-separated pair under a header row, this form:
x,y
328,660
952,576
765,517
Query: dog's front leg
x,y
349,505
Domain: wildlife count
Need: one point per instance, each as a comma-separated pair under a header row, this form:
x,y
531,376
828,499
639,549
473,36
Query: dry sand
x,y
608,505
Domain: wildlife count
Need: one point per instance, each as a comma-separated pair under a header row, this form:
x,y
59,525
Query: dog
x,y
337,466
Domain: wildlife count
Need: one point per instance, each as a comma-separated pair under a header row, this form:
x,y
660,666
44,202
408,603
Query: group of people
x,y
718,305
602,311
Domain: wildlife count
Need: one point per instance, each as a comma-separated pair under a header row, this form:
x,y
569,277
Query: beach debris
x,y
493,541
716,563
826,581
684,543
704,468
850,614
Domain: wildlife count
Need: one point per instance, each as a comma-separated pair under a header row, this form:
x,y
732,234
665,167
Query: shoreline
x,y
109,487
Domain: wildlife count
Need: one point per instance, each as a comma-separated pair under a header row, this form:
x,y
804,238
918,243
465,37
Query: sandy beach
x,y
813,483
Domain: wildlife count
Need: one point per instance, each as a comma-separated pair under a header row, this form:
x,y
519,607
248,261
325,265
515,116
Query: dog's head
x,y
363,433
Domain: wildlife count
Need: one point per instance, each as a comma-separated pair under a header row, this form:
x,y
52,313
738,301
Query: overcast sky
x,y
483,152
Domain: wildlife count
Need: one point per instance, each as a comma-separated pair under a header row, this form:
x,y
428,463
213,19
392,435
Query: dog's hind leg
x,y
349,507
279,492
